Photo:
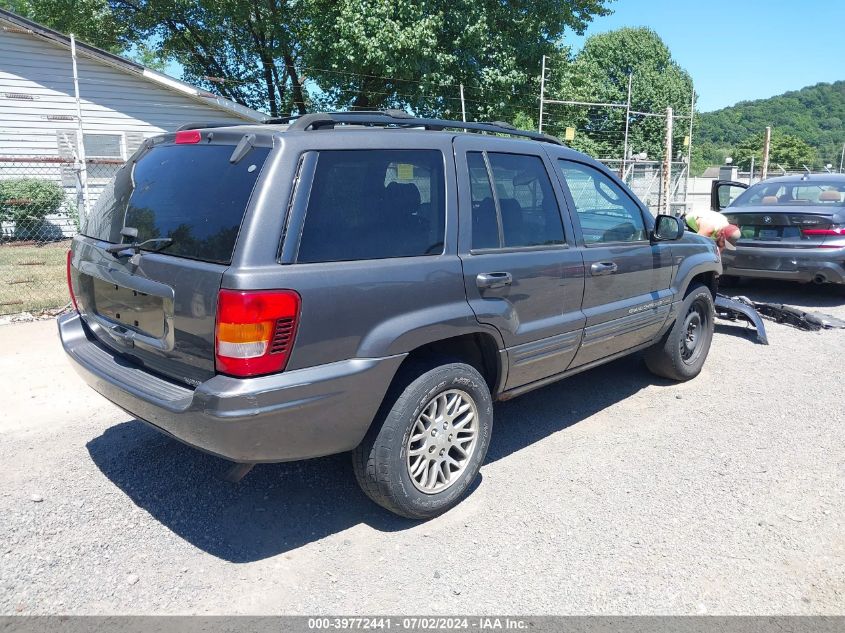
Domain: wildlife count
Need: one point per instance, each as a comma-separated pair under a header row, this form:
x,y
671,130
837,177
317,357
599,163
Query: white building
x,y
122,103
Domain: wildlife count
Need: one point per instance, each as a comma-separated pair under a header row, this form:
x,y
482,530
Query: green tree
x,y
599,73
246,51
404,54
786,150
707,154
91,21
292,55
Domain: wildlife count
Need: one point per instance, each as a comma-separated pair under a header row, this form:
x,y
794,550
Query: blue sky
x,y
740,50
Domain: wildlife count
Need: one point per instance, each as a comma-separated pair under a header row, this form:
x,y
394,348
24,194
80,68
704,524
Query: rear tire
x,y
426,448
681,353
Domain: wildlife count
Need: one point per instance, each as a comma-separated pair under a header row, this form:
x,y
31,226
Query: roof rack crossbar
x,y
400,118
206,124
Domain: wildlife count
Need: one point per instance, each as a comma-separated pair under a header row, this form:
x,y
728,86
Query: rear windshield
x,y
191,194
816,193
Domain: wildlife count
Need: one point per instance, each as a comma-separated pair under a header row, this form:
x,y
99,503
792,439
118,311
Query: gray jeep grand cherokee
x,y
371,282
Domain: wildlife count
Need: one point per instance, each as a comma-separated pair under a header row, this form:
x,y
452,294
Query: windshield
x,y
816,193
192,195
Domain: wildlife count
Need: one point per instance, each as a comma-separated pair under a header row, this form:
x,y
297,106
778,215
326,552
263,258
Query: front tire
x,y
420,457
681,353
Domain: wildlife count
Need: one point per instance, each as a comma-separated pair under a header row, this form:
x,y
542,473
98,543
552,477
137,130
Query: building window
x,y
103,145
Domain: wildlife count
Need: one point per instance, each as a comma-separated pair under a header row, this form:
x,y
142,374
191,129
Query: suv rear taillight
x,y
70,282
255,331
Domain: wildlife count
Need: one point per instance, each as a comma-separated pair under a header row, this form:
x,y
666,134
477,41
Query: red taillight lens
x,y
255,331
836,231
70,282
833,231
187,137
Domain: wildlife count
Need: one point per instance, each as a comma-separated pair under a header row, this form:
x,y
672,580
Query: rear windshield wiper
x,y
120,250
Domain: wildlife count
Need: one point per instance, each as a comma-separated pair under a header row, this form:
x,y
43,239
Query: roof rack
x,y
400,118
207,124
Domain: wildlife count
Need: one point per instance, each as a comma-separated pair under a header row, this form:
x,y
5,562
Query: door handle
x,y
491,281
603,268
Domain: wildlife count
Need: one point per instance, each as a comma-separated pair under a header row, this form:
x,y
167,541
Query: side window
x,y
605,212
524,203
527,204
375,204
485,223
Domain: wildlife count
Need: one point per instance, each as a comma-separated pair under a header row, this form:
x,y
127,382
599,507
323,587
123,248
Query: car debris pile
x,y
744,309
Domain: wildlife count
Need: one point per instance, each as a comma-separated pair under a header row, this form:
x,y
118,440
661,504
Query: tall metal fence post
x,y
767,145
80,137
627,126
689,148
542,92
666,179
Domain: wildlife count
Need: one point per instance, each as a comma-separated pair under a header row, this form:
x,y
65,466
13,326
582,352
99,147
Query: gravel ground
x,y
611,492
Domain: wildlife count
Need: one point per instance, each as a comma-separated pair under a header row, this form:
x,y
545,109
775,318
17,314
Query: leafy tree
x,y
91,21
599,73
523,121
786,149
403,54
29,199
292,55
246,51
706,154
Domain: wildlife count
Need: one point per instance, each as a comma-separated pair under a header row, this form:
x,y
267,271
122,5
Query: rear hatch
x,y
783,228
156,303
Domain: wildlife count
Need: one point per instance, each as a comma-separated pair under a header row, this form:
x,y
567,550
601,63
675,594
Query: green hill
x,y
815,114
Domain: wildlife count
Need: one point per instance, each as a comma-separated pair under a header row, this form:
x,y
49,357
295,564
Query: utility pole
x,y
463,107
689,149
842,159
80,137
627,125
751,173
666,180
542,92
767,145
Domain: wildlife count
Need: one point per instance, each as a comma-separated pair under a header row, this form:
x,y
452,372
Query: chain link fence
x,y
41,199
645,179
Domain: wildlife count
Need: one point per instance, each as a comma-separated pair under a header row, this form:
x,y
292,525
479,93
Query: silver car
x,y
793,227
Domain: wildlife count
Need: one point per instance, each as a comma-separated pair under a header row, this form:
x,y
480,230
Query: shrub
x,y
29,199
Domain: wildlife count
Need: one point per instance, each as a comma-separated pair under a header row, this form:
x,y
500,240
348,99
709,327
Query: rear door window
x,y
374,204
191,194
485,222
524,210
529,211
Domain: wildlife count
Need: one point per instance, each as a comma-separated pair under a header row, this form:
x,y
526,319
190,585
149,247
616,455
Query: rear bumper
x,y
796,264
293,415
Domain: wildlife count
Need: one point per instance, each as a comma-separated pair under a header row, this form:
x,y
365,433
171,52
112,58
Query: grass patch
x,y
33,277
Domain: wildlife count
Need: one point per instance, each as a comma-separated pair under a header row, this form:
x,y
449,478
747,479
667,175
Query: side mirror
x,y
667,228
